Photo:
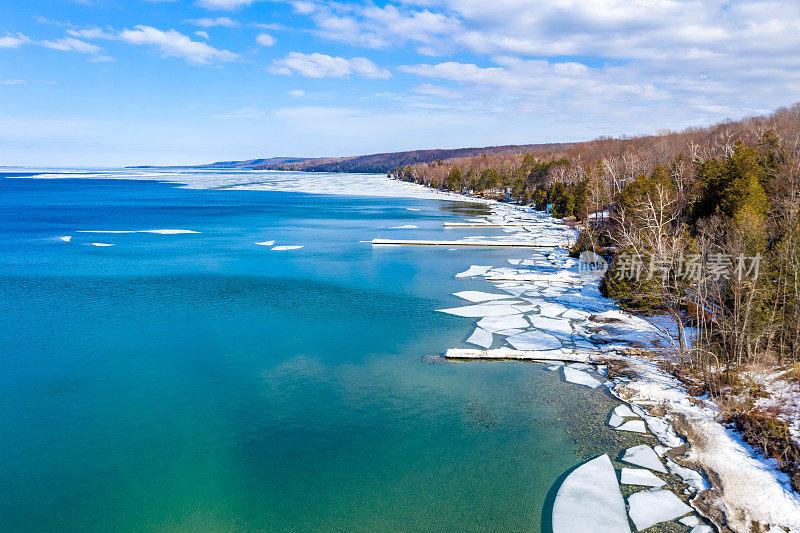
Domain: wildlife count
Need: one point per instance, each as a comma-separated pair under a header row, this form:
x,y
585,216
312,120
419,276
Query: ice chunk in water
x,y
405,226
638,476
555,325
499,323
615,420
579,377
101,244
481,337
589,501
264,243
485,309
280,248
625,411
534,340
650,507
478,296
636,426
643,455
474,270
66,238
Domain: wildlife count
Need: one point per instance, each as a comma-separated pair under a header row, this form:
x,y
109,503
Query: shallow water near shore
x,y
197,381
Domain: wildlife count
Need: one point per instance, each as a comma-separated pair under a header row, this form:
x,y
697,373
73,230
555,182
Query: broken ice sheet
x,y
478,296
635,426
650,507
504,322
534,340
639,476
625,411
482,310
474,270
481,337
589,501
643,455
579,377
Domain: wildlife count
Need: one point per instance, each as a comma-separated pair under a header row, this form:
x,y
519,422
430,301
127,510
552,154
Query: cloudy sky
x,y
113,82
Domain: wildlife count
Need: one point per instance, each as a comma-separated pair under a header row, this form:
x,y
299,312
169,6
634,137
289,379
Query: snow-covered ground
x,y
543,308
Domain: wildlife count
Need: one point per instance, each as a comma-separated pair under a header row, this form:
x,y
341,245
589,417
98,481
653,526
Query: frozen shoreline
x,y
732,485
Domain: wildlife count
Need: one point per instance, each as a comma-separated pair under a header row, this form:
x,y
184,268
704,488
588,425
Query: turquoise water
x,y
199,382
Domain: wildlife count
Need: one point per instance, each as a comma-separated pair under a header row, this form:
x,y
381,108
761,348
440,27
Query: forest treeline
x,y
703,228
383,162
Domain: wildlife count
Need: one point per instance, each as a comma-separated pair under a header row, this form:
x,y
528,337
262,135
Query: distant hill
x,y
245,164
379,163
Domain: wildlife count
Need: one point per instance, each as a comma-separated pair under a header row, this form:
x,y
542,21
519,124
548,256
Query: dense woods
x,y
703,228
381,163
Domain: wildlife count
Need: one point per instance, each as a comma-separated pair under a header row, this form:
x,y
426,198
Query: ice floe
x,y
283,247
624,411
405,226
635,426
589,501
168,231
560,326
615,420
639,476
481,337
504,322
264,243
650,507
579,377
66,238
478,296
101,244
485,309
534,340
643,455
474,270
159,231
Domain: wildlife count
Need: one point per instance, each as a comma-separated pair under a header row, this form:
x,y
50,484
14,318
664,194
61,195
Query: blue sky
x,y
118,82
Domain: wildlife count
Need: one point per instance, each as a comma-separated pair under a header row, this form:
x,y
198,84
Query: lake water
x,y
197,381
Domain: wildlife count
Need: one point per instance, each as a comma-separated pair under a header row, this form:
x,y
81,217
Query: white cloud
x,y
13,41
437,90
70,44
91,33
12,82
202,34
211,22
247,112
318,65
265,39
371,26
690,52
297,92
175,44
224,4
